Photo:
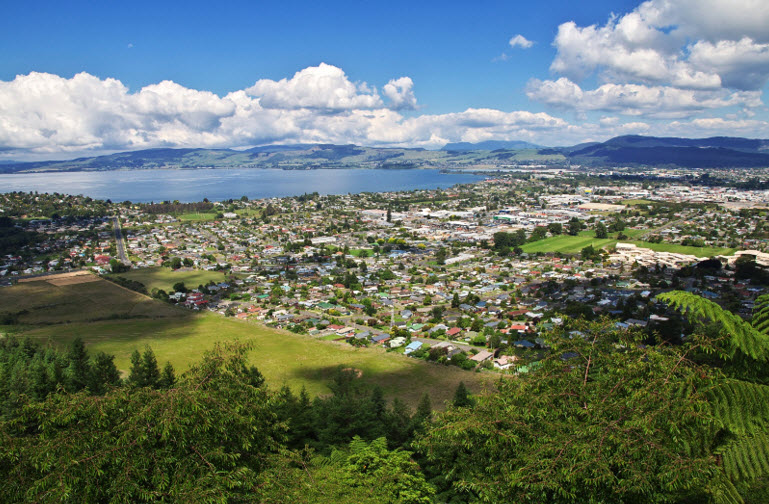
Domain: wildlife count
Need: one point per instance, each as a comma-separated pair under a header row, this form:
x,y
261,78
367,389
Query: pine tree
x,y
398,424
168,377
136,378
378,403
455,301
104,374
151,370
79,368
423,415
462,396
301,430
41,382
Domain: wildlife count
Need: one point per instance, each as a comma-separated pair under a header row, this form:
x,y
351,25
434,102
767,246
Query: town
x,y
470,276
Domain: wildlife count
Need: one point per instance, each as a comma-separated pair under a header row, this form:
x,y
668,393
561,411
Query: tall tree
x,y
574,226
440,255
151,370
137,376
462,396
79,367
600,231
398,423
104,373
168,376
423,415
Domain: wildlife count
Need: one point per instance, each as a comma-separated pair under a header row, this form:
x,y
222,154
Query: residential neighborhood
x,y
470,276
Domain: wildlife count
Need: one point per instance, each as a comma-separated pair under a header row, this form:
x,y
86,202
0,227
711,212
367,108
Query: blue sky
x,y
83,77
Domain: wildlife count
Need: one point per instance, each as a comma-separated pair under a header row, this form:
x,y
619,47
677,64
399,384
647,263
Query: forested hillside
x,y
606,417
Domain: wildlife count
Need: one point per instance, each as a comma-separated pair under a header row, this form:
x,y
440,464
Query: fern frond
x,y
743,336
761,314
747,457
724,491
740,406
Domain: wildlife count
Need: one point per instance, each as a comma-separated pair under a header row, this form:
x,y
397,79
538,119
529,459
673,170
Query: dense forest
x,y
606,417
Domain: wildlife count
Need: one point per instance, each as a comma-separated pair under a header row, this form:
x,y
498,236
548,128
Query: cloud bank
x,y
693,55
669,67
45,114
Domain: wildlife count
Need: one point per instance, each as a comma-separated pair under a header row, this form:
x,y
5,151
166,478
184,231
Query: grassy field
x,y
634,202
59,314
197,216
568,244
165,278
680,249
574,244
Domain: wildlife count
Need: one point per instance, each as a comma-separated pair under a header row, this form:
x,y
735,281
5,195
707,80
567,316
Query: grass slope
x,y
181,337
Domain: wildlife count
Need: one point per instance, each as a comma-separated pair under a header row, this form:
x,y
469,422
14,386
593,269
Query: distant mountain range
x,y
716,152
490,145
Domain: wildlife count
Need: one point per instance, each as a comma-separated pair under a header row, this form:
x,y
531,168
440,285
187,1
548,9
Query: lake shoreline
x,y
217,184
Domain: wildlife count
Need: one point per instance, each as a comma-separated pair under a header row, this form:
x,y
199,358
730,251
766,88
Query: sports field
x,y
117,321
567,244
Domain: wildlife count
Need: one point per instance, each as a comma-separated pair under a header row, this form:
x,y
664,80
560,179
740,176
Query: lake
x,y
221,184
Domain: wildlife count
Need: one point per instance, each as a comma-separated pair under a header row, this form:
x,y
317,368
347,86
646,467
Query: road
x,y
120,242
652,232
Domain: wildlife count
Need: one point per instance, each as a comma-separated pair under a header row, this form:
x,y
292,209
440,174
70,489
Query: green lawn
x,y
634,202
180,336
574,244
197,216
680,249
567,244
165,278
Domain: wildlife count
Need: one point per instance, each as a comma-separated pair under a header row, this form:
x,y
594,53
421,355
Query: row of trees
x,y
29,371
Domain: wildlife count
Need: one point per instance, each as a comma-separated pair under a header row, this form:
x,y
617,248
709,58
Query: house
x,y
397,342
345,332
504,361
481,356
412,347
453,332
381,338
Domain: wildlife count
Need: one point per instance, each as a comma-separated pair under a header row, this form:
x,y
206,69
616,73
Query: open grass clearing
x,y
165,278
567,244
59,314
197,216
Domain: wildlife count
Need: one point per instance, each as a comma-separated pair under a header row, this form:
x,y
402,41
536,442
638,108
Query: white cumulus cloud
x,y
321,87
400,92
666,58
637,99
520,41
46,115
